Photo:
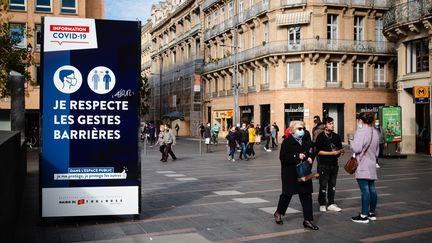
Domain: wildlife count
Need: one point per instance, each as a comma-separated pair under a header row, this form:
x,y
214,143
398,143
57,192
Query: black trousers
x,y
327,182
169,151
306,202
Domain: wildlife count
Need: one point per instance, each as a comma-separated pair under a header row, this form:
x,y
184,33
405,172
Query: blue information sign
x,y
90,117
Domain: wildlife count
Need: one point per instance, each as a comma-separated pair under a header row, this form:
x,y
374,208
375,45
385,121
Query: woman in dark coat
x,y
295,148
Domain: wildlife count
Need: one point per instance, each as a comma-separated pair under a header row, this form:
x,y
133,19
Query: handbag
x,y
207,141
303,169
352,163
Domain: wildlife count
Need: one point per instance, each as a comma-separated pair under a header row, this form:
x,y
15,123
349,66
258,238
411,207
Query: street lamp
x,y
235,84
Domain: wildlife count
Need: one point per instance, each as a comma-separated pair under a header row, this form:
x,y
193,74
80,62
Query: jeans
x,y
243,150
250,149
327,183
369,196
232,152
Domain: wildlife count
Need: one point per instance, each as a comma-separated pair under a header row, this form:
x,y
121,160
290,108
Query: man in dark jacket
x,y
207,137
243,140
329,148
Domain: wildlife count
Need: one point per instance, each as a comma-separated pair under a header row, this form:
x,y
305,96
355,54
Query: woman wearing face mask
x,y
295,148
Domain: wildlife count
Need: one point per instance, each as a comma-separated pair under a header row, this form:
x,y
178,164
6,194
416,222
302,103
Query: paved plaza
x,y
210,199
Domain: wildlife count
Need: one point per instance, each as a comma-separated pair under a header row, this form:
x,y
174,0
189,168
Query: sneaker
x,y
233,160
377,166
334,208
372,216
268,150
360,219
323,208
229,158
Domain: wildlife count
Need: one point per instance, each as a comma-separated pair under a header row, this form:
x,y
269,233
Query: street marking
x,y
165,172
403,215
271,210
174,175
398,235
250,200
228,193
187,179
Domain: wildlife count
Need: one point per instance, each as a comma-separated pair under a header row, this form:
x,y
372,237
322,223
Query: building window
x,y
173,32
253,37
38,75
189,51
38,36
215,17
208,21
17,5
230,9
379,74
253,78
266,75
241,42
294,75
222,13
266,32
241,80
358,28
240,10
17,32
332,27
332,72
358,73
43,6
174,57
293,36
417,56
379,35
68,7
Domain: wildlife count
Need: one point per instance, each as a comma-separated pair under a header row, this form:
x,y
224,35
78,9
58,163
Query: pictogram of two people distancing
x,y
68,79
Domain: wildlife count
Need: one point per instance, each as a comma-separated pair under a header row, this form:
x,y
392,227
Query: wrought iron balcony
x,y
380,84
215,94
360,85
330,84
178,39
305,45
252,88
336,2
293,84
372,3
407,12
207,96
222,93
289,3
265,86
207,3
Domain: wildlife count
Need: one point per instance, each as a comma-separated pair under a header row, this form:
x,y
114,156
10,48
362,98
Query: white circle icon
x,y
67,79
101,80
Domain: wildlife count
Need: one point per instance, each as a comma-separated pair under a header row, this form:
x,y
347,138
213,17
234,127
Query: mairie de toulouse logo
x,y
68,79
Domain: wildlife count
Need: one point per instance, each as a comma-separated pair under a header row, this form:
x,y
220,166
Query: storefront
x,y
224,118
293,112
369,108
247,114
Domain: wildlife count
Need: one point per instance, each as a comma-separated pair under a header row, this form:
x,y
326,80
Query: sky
x,y
128,9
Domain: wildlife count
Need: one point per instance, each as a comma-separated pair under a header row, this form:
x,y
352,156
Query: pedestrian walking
x,y
161,142
215,133
329,148
243,140
366,148
295,149
169,140
232,143
250,146
177,128
267,136
277,133
258,134
202,128
273,135
207,137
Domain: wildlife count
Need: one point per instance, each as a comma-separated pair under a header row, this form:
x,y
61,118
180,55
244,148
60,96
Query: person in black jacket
x,y
295,149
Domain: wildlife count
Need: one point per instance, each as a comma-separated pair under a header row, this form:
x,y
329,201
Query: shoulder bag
x,y
352,163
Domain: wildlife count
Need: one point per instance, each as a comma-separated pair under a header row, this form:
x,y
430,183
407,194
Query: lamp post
x,y
235,84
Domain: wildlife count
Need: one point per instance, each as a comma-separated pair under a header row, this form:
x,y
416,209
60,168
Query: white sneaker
x,y
233,160
377,166
323,208
229,158
334,208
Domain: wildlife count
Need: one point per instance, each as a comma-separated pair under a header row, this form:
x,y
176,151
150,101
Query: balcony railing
x,y
252,88
145,65
294,84
336,2
288,3
231,22
337,84
358,85
222,93
207,3
265,86
378,84
145,45
215,94
207,96
178,39
407,12
306,45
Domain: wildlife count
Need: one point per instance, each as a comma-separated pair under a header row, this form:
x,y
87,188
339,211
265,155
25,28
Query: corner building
x,y
296,59
27,14
409,25
176,59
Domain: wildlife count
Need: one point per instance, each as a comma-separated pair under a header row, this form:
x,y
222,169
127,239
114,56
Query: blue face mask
x,y
299,133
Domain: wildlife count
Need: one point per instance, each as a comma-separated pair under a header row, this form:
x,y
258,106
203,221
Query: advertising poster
x,y
391,123
89,163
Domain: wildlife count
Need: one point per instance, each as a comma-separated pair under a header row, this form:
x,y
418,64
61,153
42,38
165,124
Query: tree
x,y
145,92
12,57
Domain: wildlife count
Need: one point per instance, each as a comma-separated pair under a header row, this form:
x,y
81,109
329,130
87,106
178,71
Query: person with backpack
x,y
232,143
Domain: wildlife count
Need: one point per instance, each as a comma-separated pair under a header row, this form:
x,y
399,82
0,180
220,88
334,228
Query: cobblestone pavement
x,y
210,199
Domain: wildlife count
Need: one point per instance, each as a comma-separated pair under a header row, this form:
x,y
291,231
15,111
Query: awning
x,y
293,18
